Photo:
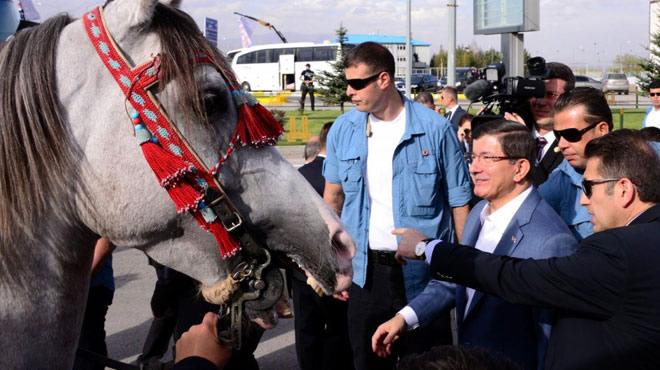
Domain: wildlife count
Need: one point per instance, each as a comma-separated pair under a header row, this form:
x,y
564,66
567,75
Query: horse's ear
x,y
130,13
172,3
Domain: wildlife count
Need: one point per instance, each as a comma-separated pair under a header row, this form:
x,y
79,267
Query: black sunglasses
x,y
654,94
588,184
573,135
361,83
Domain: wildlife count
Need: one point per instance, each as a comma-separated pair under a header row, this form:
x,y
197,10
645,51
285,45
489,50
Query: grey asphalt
x,y
129,316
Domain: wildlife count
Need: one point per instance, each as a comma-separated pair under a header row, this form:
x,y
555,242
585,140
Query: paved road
x,y
129,316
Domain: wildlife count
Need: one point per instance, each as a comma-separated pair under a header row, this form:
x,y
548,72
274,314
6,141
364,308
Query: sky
x,y
577,32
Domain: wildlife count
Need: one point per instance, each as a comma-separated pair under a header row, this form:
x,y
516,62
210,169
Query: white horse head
x,y
73,171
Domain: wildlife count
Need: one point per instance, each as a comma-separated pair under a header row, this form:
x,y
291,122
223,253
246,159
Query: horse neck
x,y
43,289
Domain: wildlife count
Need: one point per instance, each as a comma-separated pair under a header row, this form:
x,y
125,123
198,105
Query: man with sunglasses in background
x,y
513,220
581,115
652,118
390,163
606,296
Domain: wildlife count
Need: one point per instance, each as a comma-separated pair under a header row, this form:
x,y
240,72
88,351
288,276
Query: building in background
x,y
397,46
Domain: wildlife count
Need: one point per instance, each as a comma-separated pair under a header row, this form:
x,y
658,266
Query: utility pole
x,y
408,49
451,50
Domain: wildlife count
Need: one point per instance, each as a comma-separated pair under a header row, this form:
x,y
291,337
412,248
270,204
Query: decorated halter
x,y
192,187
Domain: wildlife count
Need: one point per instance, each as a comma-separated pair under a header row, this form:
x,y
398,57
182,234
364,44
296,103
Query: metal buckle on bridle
x,y
251,284
229,217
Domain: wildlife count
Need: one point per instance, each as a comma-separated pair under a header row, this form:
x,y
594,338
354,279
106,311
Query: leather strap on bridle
x,y
191,185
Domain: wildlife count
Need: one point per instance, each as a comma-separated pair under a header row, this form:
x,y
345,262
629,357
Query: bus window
x,y
263,56
247,58
325,53
305,55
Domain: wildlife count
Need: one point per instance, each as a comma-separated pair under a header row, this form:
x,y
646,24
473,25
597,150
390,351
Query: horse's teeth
x,y
315,285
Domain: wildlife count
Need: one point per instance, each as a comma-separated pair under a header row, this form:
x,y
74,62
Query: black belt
x,y
383,257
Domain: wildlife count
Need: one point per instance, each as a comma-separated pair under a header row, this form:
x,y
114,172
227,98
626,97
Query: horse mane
x,y
38,161
181,44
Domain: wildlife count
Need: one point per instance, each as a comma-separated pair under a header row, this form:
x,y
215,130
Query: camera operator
x,y
559,79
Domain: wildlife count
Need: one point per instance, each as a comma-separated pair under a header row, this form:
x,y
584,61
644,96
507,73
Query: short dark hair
x,y
374,55
627,153
307,65
594,103
562,72
514,138
457,358
452,91
323,134
650,133
467,117
655,84
424,97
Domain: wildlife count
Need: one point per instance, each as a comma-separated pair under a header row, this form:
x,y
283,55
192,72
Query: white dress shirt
x,y
493,226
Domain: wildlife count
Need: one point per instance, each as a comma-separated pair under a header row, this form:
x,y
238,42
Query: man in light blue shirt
x,y
390,163
581,115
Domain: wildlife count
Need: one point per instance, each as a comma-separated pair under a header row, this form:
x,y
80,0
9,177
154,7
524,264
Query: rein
x,y
192,186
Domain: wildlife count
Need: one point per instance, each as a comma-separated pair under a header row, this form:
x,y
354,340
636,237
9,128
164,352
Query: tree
x,y
332,84
628,63
650,67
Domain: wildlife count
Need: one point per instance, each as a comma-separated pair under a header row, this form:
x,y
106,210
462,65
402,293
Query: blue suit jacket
x,y
519,332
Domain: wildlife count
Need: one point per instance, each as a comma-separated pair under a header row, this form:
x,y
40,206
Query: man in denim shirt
x,y
581,115
390,163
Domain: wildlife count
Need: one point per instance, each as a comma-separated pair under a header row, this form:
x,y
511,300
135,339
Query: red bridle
x,y
191,185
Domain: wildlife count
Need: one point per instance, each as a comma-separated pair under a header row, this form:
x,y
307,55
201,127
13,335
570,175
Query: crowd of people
x,y
540,230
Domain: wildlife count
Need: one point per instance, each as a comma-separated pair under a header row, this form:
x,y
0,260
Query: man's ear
x,y
521,170
602,128
625,192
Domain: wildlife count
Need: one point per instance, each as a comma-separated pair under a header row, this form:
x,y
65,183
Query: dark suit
x,y
548,163
519,332
321,327
607,295
456,117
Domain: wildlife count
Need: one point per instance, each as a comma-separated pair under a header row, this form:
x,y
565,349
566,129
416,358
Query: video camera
x,y
501,93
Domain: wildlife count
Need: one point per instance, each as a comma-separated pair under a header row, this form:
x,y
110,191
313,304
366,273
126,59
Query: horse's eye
x,y
214,101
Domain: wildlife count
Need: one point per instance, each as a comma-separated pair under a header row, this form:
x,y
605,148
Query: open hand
x,y
386,334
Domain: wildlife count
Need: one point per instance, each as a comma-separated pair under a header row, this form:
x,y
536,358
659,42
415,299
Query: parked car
x,y
587,81
418,82
615,82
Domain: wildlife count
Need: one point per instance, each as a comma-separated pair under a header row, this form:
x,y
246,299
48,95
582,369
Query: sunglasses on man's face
x,y
654,94
361,83
588,184
573,135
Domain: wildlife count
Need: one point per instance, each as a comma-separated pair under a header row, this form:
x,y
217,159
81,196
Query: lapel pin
x,y
514,239
425,152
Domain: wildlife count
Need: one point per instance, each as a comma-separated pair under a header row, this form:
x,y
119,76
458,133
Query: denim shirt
x,y
562,190
429,177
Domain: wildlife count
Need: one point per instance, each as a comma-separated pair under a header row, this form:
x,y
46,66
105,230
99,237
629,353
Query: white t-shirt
x,y
653,118
385,136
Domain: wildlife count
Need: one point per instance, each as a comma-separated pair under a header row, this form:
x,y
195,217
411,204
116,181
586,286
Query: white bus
x,y
277,67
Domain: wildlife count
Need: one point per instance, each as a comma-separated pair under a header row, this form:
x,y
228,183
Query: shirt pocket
x,y
350,172
422,188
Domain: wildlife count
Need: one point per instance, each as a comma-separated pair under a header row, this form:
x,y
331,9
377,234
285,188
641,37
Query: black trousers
x,y
92,335
321,330
382,296
305,89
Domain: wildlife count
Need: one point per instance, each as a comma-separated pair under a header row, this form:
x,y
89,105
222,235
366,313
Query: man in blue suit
x,y
513,220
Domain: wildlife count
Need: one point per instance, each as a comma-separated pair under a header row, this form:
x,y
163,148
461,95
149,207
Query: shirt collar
x,y
502,217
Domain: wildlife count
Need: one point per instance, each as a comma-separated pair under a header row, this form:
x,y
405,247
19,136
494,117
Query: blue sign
x,y
211,30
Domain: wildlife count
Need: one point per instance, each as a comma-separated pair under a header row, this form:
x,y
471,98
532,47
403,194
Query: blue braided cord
x,y
151,71
151,115
238,97
104,47
176,150
142,134
125,81
162,132
114,64
96,31
137,98
208,215
202,183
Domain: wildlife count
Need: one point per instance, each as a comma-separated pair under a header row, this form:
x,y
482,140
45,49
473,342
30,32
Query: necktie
x,y
448,115
540,144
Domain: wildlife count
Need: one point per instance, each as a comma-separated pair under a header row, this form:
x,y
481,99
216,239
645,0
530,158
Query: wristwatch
x,y
420,248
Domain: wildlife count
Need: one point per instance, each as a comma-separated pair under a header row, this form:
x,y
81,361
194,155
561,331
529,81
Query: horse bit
x,y
192,187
